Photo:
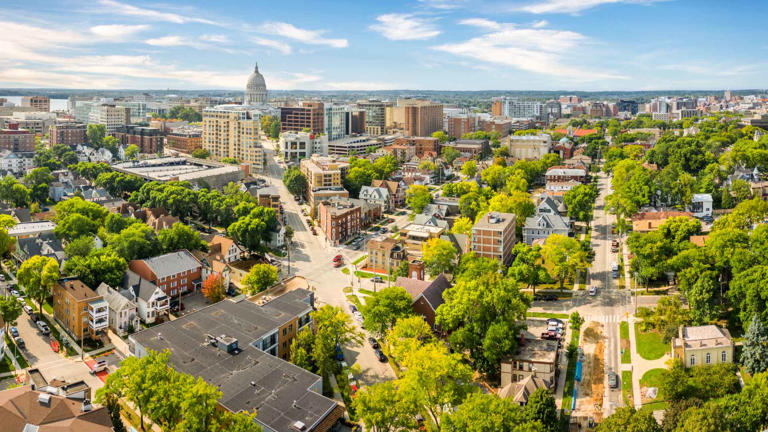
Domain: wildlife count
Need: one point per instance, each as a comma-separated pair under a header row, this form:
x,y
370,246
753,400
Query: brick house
x,y
339,219
565,174
175,273
427,295
79,309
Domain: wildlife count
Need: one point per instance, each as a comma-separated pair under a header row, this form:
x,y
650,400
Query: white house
x,y
123,312
376,195
150,300
701,205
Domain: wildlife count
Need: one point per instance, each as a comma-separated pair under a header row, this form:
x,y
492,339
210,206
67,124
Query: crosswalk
x,y
605,319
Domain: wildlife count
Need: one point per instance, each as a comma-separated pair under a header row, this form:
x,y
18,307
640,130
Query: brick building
x,y
17,140
80,310
39,103
421,118
493,236
147,139
566,174
339,220
175,273
185,139
69,134
423,146
310,115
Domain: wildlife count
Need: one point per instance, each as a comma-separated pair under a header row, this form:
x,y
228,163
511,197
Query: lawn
x,y
359,260
626,387
569,374
650,345
366,291
652,378
347,290
368,275
626,355
19,356
546,315
355,301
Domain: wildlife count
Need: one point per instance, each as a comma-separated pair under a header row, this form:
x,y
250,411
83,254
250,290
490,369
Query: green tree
x,y
75,225
563,257
385,307
81,246
439,256
96,134
230,160
301,349
627,419
580,201
518,203
180,237
252,231
471,204
495,176
6,241
259,278
441,136
18,195
417,197
541,408
450,154
754,356
10,310
132,152
462,225
333,328
408,334
103,265
527,266
489,413
38,275
137,241
37,181
382,409
469,169
295,181
200,153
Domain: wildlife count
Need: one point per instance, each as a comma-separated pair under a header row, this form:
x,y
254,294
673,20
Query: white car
x,y
592,290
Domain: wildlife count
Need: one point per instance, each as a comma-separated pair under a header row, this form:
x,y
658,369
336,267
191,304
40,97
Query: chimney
x,y
416,269
86,405
522,338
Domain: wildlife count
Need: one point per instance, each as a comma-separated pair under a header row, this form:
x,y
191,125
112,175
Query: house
x,y
533,358
651,221
427,296
565,174
396,191
79,309
175,273
47,245
701,205
493,236
158,219
24,409
520,391
123,313
376,195
384,254
30,229
75,390
151,302
703,345
240,347
423,228
543,225
552,205
225,249
461,242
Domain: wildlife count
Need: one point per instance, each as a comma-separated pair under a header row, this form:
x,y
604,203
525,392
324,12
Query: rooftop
x,y
28,228
537,350
25,410
703,337
77,289
172,263
495,220
175,168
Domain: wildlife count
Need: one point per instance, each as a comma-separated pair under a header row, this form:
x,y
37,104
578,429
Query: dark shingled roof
x,y
432,291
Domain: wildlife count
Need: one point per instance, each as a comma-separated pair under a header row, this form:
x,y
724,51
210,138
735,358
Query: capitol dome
x,y
256,88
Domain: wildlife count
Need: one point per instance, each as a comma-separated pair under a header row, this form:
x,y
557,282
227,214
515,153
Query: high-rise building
x,y
355,121
493,236
335,121
256,88
111,116
40,103
70,134
552,111
295,146
147,139
325,177
310,115
627,105
375,116
232,131
16,140
421,117
513,107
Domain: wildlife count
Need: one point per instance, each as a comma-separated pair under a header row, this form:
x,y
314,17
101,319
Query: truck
x,y
615,269
615,245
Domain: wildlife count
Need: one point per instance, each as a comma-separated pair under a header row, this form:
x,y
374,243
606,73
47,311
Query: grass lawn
x,y
626,386
546,315
368,275
656,406
366,291
626,355
19,356
359,260
652,378
650,345
347,290
354,300
569,374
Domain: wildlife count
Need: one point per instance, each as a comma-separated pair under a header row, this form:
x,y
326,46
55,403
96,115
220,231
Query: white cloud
x,y
481,23
280,46
571,6
167,41
540,24
404,27
443,4
541,51
36,78
313,37
358,85
120,8
215,38
117,31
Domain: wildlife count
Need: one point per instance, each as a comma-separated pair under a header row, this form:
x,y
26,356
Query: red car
x,y
337,258
337,264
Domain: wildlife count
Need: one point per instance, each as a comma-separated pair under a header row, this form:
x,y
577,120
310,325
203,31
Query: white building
x,y
110,115
151,301
255,88
335,121
531,147
376,195
295,146
354,145
16,163
701,205
123,313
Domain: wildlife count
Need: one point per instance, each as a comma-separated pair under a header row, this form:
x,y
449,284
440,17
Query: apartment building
x,y
375,116
340,220
384,254
324,177
16,139
566,174
39,103
79,309
147,139
110,115
310,115
69,134
335,121
185,139
530,147
232,131
295,146
493,236
469,147
421,118
423,146
534,358
175,273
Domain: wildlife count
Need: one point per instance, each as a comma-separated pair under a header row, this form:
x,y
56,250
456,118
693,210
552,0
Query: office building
x,y
530,147
515,108
232,131
147,139
353,145
79,309
110,115
36,122
493,236
69,134
355,121
628,106
309,116
421,117
375,116
16,140
335,121
295,146
185,139
39,103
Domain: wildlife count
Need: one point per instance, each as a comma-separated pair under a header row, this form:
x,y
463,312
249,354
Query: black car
x,y
613,380
177,306
382,358
549,297
373,343
33,317
538,297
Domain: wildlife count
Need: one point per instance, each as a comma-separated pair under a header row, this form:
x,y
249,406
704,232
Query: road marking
x,y
605,319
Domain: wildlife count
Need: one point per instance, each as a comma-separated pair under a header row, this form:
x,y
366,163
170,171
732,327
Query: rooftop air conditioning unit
x,y
299,426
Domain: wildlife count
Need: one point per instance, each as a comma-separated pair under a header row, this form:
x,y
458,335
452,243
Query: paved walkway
x,y
640,365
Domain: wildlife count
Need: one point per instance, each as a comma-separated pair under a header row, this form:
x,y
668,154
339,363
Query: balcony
x,y
162,303
98,309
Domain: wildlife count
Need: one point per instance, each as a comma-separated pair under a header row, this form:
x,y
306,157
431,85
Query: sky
x,y
383,45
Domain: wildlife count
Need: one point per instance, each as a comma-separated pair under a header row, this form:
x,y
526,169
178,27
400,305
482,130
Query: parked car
x,y
352,384
14,331
100,365
373,342
377,279
549,297
28,309
353,308
337,258
380,355
383,230
176,306
337,264
20,342
43,327
33,317
613,380
358,316
2,278
592,290
15,293
538,297
374,229
551,335
554,322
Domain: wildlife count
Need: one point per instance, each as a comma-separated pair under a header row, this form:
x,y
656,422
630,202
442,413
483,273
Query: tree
x,y
382,408
441,136
749,293
213,287
517,202
103,265
439,256
91,210
417,197
469,169
38,275
333,328
179,237
495,176
301,349
18,195
137,241
462,225
575,320
471,204
755,353
627,419
96,134
75,225
384,308
295,181
37,181
407,335
6,241
10,310
450,154
541,407
252,231
563,257
132,151
580,201
489,413
481,311
527,266
200,153
230,160
81,246
259,278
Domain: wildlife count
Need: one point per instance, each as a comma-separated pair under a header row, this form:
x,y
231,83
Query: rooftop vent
x,y
299,426
44,399
227,344
86,405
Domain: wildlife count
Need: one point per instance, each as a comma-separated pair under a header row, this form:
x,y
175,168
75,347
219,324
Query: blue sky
x,y
379,45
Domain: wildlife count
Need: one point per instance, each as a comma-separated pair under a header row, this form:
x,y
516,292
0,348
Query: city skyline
x,y
451,45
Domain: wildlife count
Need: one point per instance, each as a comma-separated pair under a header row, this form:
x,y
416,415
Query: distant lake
x,y
56,104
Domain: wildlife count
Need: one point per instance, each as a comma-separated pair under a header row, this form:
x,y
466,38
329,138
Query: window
x,y
693,360
285,331
708,358
723,357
